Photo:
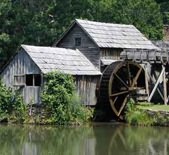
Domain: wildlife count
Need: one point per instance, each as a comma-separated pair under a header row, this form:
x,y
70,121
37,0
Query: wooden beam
x,y
158,89
156,85
120,93
136,78
121,80
146,80
129,74
123,105
165,88
113,106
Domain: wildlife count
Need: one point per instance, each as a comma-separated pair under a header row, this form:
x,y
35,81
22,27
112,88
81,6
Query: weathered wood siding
x,y
32,94
22,65
87,47
110,53
86,88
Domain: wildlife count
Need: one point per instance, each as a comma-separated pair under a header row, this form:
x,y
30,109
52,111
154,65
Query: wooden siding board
x,y
110,53
20,64
88,47
86,88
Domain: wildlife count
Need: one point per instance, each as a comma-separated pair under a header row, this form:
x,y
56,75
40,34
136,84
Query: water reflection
x,y
107,139
124,140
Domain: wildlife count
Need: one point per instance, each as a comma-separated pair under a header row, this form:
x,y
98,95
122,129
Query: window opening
x,y
77,41
37,79
29,79
33,80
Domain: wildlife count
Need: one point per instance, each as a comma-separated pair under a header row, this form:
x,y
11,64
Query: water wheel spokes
x,y
136,77
121,80
119,93
125,79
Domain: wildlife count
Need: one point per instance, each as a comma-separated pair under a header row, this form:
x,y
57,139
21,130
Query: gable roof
x,y
108,35
65,60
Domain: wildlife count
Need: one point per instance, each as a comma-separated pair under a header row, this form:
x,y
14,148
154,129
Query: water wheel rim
x,y
129,86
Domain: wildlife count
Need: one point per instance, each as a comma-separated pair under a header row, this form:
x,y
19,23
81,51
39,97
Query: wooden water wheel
x,y
120,80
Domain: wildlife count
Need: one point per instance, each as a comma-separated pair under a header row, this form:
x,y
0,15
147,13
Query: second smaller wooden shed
x,y
25,71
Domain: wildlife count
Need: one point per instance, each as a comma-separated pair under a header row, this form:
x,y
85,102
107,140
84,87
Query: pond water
x,y
97,139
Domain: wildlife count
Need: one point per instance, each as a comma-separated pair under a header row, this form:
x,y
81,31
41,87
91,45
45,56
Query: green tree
x,y
41,22
164,10
144,14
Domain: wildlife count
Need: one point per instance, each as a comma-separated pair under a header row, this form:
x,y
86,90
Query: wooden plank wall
x,y
88,47
110,53
32,95
86,88
21,64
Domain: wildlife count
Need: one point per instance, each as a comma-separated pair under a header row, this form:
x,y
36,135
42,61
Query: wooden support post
x,y
159,91
146,80
156,85
165,87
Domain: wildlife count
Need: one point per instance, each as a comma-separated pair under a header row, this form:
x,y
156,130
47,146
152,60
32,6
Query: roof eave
x,y
25,49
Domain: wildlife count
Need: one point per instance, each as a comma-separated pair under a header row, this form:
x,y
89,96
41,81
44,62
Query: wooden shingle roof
x,y
65,60
108,35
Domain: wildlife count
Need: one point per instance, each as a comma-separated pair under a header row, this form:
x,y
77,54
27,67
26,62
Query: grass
x,y
149,106
136,114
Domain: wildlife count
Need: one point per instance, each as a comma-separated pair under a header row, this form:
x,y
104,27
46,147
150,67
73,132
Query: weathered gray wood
x,y
86,88
165,87
20,65
32,95
109,35
154,79
146,81
155,87
110,53
88,47
14,76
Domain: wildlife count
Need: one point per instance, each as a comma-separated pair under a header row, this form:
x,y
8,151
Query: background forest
x,y
41,22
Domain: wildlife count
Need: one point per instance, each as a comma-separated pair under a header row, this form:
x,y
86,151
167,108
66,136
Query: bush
x,y
137,116
12,107
61,101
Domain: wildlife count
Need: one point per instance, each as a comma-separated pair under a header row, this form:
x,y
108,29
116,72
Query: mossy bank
x,y
147,114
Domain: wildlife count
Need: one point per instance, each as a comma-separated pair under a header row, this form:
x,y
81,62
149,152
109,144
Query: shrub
x,y
12,107
137,116
61,101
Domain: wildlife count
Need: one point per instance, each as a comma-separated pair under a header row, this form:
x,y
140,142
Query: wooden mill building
x,y
25,71
102,43
97,55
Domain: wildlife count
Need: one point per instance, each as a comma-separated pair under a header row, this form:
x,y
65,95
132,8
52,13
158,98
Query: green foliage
x,y
61,101
136,116
12,107
42,22
164,10
147,114
144,14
